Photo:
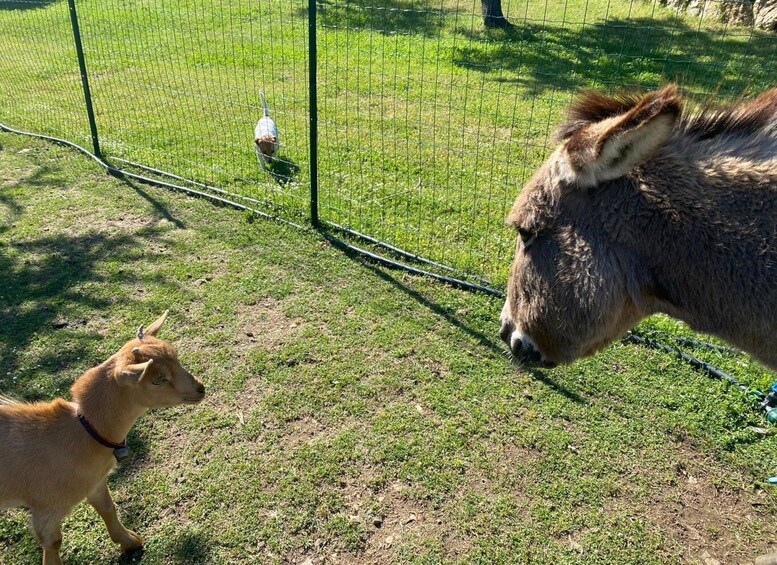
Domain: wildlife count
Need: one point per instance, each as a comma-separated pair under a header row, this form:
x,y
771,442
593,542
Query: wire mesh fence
x,y
40,86
428,122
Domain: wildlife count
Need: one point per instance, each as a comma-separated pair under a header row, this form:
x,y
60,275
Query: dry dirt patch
x,y
265,325
707,519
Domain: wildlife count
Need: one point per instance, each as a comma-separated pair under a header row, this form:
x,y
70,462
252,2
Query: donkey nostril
x,y
527,354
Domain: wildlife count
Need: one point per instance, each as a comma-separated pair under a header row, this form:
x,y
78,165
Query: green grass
x,y
429,125
341,396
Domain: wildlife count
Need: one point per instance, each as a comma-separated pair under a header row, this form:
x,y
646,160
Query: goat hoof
x,y
132,543
132,556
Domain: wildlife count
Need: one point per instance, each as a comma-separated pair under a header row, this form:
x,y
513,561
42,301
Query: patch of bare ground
x,y
129,222
265,325
395,519
113,224
391,517
101,237
508,459
306,430
714,524
262,325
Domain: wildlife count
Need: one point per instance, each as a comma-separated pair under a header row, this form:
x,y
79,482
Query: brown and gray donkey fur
x,y
645,207
48,460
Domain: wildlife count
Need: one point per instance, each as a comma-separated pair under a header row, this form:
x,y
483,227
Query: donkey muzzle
x,y
522,347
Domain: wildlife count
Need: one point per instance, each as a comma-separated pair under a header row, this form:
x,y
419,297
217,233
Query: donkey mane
x,y
739,118
712,120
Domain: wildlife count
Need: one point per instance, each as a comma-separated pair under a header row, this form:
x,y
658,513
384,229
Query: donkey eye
x,y
527,237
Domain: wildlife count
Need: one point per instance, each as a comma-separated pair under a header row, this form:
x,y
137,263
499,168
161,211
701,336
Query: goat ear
x,y
133,374
612,147
154,328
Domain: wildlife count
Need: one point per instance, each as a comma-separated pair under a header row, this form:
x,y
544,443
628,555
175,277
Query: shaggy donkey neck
x,y
707,230
108,406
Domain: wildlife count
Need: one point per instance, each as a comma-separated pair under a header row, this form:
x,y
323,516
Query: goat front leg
x,y
46,523
101,500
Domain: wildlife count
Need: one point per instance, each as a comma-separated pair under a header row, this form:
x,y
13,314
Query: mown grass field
x,y
429,125
354,415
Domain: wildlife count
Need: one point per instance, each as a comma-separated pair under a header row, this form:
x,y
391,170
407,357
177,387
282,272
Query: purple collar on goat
x,y
120,450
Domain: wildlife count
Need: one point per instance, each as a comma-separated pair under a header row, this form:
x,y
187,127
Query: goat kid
x,y
53,455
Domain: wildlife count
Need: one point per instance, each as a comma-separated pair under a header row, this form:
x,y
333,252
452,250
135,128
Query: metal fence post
x,y
84,78
312,64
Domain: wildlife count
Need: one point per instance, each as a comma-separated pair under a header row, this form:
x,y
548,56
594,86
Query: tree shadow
x,y
44,176
25,4
639,52
44,281
9,209
383,16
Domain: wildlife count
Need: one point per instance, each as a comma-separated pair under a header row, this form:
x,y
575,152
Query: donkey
x,y
645,207
53,455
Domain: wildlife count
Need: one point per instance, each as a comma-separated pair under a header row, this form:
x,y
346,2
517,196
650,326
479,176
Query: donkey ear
x,y
154,328
133,374
612,147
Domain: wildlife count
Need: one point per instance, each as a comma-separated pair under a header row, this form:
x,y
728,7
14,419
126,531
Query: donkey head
x,y
574,287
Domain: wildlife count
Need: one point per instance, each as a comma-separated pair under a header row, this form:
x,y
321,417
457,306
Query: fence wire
x,y
429,122
40,85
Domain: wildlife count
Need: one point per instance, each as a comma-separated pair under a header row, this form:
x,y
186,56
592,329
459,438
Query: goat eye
x,y
159,381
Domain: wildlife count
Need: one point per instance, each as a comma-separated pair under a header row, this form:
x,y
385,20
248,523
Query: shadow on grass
x,y
49,280
187,547
190,547
25,4
10,209
44,176
44,278
625,52
484,340
383,16
283,170
158,206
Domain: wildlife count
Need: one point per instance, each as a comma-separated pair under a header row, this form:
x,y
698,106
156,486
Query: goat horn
x,y
154,328
140,332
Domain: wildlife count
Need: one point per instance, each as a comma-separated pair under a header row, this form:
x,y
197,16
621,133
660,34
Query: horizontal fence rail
x,y
407,127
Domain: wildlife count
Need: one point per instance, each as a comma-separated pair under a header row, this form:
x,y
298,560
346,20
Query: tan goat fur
x,y
49,462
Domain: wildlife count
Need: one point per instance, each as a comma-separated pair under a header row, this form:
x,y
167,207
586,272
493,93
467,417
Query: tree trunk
x,y
493,18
